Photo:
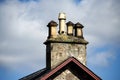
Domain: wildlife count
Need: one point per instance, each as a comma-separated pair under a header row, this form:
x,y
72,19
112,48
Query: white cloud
x,y
21,43
101,59
23,27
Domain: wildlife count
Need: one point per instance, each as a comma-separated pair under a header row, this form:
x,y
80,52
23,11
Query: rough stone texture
x,y
63,46
59,52
66,75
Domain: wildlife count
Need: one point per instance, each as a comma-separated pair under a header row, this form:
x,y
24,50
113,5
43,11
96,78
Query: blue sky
x,y
23,31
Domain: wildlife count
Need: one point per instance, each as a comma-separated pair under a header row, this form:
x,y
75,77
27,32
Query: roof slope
x,y
34,75
77,68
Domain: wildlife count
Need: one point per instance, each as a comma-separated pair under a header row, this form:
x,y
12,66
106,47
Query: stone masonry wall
x,y
66,75
61,51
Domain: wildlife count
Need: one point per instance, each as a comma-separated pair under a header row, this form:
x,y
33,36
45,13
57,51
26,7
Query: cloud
x,y
101,59
23,28
20,37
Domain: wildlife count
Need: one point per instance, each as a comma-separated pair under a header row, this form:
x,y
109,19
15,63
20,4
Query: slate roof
x,y
35,75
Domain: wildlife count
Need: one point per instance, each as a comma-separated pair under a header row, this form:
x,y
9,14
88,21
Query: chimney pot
x,y
70,26
62,21
52,29
78,30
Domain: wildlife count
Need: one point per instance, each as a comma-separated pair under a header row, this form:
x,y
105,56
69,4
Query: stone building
x,y
65,53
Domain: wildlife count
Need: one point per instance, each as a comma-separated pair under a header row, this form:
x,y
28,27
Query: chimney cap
x,y
62,16
70,23
52,23
78,25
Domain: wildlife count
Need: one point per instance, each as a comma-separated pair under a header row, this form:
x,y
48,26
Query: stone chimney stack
x,y
62,23
60,46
